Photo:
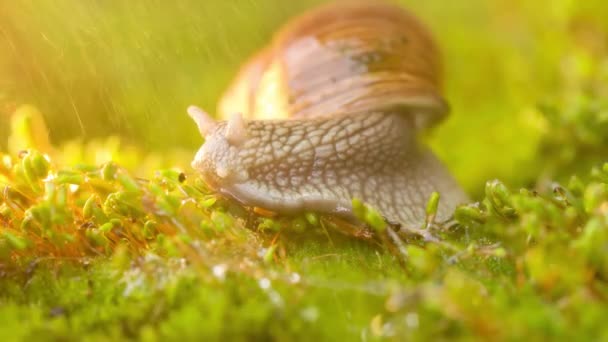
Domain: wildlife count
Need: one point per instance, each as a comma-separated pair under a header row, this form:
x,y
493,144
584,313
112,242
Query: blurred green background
x,y
130,68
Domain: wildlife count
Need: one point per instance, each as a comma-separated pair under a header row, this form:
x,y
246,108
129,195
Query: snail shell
x,y
356,82
341,59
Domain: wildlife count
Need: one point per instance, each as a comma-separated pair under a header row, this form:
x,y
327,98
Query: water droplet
x,y
295,278
264,283
411,319
310,313
219,271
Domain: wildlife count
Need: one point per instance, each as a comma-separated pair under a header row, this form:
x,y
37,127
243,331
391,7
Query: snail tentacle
x,y
236,129
204,121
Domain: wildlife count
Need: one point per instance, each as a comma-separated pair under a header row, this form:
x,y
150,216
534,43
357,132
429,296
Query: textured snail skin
x,y
321,164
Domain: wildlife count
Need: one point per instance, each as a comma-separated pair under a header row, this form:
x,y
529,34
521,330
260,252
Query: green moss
x,y
152,260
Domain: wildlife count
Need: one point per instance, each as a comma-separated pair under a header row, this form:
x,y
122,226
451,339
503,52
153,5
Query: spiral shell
x,y
343,59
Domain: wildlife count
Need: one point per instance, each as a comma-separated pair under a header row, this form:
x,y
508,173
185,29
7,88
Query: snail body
x,y
332,112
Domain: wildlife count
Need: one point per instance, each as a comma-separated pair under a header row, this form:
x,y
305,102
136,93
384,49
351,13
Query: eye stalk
x,y
206,124
236,130
236,127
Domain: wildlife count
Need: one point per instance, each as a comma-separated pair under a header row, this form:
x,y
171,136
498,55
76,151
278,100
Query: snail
x,y
331,111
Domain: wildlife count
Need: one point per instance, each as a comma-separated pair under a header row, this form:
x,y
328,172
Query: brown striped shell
x,y
343,59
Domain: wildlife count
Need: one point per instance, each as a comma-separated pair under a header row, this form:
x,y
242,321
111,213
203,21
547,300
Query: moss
x,y
91,251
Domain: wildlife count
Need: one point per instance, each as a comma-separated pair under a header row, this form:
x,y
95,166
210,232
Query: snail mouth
x,y
207,173
209,180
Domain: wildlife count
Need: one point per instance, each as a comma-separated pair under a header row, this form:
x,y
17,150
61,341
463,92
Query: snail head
x,y
218,159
